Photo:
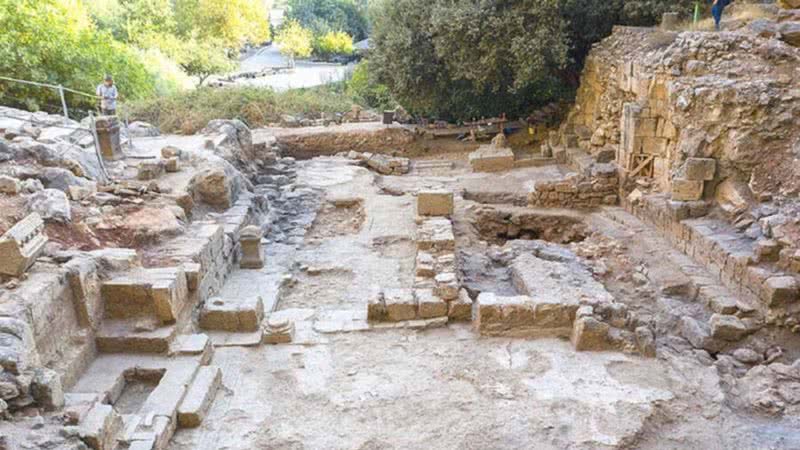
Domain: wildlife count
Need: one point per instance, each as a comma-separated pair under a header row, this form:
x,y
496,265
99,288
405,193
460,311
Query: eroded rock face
x,y
676,96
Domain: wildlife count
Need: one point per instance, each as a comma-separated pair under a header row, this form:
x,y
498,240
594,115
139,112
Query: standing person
x,y
716,10
108,97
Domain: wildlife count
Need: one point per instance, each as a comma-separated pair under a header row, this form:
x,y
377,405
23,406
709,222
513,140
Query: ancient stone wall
x,y
656,98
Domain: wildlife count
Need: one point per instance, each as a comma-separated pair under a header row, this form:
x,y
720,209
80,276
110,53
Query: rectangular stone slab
x,y
195,405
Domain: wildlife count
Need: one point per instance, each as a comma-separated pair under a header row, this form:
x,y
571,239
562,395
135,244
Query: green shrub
x,y
333,43
190,111
366,91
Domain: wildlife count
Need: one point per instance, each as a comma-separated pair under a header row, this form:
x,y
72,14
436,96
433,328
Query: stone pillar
x,y
250,239
108,137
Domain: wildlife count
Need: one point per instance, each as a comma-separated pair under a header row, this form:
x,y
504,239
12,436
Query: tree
x,y
465,58
459,59
323,16
202,59
235,22
294,41
333,43
129,20
55,42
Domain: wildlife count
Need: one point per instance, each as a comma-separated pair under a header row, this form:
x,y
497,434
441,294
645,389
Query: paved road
x,y
305,74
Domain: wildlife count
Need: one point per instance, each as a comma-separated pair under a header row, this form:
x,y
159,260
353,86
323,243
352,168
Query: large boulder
x,y
143,129
51,204
61,179
789,4
231,139
80,161
734,196
218,185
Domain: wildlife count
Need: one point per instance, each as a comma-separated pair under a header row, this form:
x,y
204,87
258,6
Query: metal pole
x,y
696,15
63,102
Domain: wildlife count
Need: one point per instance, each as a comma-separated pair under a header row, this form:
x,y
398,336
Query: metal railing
x,y
91,129
59,88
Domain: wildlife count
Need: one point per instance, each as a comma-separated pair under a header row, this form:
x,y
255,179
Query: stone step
x,y
433,164
234,315
198,399
127,336
536,161
161,293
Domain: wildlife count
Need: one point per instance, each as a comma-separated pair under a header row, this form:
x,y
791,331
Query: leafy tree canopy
x,y
295,41
235,22
323,16
54,41
460,59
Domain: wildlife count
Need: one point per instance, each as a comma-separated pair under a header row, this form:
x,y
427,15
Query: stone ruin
x,y
631,283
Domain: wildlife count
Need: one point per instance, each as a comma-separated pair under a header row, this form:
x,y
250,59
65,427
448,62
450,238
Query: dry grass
x,y
188,112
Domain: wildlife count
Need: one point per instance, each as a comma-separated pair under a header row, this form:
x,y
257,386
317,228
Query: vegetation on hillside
x,y
151,47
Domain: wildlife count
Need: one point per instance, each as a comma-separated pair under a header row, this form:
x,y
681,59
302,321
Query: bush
x,y
189,112
333,43
366,91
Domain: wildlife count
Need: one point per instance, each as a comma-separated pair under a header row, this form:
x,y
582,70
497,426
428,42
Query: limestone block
x,y
171,152
21,245
198,399
252,254
192,271
429,304
780,290
590,334
727,328
767,250
400,304
232,315
460,309
278,331
83,280
700,169
150,170
172,165
435,203
686,190
46,389
491,159
425,265
99,428
9,185
446,286
503,316
435,235
376,307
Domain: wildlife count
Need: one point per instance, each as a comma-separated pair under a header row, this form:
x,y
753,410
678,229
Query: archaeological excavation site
x,y
627,277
